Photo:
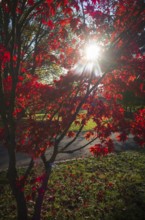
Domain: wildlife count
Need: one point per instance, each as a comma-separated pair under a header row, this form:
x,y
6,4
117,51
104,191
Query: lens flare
x,y
92,52
89,64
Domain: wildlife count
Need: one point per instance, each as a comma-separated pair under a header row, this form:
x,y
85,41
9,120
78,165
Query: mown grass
x,y
88,127
108,188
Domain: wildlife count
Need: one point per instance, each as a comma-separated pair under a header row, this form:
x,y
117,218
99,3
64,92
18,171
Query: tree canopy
x,y
43,38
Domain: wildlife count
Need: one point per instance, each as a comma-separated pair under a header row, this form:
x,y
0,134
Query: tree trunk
x,y
16,186
18,193
21,206
41,193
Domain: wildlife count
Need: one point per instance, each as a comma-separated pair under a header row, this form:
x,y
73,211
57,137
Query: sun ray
x,y
89,64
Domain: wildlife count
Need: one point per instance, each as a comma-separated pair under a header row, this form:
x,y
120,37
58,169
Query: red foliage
x,y
88,135
71,134
30,2
37,35
4,55
98,150
138,127
61,100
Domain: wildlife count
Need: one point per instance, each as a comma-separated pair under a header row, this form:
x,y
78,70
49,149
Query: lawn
x,y
89,126
108,188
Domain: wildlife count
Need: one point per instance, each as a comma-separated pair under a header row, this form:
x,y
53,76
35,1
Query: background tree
x,y
35,34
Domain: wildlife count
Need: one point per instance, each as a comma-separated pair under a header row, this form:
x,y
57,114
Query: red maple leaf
x,y
71,134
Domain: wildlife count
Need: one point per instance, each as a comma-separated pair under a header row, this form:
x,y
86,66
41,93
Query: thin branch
x,y
43,158
75,114
28,12
76,136
27,172
72,151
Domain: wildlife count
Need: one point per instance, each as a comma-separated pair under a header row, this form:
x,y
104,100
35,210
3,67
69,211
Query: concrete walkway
x,y
23,159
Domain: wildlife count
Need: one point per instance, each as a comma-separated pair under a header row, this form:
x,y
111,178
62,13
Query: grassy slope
x,y
109,188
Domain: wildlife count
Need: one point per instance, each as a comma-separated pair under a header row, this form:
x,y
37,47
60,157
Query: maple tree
x,y
37,34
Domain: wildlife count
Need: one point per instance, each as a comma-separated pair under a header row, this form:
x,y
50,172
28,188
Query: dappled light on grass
x,y
89,126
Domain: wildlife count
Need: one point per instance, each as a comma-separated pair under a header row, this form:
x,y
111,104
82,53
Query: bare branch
x,y
72,151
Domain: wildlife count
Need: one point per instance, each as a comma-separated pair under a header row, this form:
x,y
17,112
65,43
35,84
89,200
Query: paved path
x,y
23,159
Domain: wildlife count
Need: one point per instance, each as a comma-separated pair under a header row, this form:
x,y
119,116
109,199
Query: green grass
x,y
108,188
89,126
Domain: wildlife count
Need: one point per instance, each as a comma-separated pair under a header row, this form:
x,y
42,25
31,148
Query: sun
x,y
89,64
92,52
